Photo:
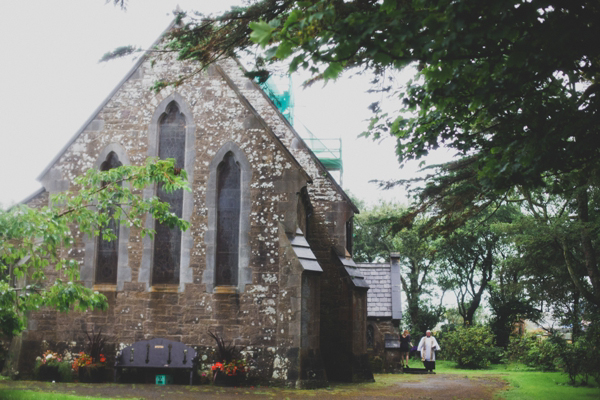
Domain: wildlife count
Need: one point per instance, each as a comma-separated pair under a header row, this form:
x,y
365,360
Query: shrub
x,y
226,352
65,371
50,359
497,355
581,359
535,351
519,346
470,347
543,354
95,345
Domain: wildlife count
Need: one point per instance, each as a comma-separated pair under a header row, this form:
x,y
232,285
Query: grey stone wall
x,y
387,359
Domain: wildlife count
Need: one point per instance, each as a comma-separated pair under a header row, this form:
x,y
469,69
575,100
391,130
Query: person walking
x,y
405,346
428,346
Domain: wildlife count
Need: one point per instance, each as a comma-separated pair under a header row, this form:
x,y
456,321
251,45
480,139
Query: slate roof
x,y
379,296
304,253
355,274
384,296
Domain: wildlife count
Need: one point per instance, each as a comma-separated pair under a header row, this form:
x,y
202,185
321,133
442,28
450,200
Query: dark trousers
x,y
429,365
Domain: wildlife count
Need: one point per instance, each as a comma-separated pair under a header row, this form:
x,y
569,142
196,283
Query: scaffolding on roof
x,y
283,101
328,151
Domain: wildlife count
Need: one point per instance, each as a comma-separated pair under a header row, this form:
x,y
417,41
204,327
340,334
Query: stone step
x,y
415,371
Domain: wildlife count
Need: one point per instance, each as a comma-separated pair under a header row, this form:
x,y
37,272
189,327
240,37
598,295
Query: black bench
x,y
157,353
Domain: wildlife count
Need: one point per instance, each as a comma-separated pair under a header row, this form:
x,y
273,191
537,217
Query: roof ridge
x,y
103,104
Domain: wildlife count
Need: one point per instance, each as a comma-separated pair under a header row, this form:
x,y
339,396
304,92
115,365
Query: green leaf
x,y
261,32
333,71
382,58
292,19
388,6
285,49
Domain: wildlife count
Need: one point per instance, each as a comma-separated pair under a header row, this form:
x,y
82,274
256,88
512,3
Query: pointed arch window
x,y
227,238
228,221
107,253
167,241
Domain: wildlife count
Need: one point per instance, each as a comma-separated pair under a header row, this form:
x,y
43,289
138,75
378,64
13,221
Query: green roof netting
x,y
283,101
328,151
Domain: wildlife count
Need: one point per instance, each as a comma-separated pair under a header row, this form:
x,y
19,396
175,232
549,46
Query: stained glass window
x,y
108,251
167,241
228,221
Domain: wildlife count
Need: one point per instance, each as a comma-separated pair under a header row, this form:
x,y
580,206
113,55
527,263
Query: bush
x,y
497,355
51,366
543,354
519,346
536,352
581,359
470,347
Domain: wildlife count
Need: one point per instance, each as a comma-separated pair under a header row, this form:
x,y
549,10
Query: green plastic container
x,y
164,379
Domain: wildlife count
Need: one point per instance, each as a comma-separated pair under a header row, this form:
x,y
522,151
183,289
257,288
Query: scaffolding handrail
x,y
322,148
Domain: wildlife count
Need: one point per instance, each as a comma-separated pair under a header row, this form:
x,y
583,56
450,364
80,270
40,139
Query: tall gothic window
x,y
228,221
108,251
167,241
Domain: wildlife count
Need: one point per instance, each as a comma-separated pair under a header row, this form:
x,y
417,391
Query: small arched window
x,y
167,241
370,336
304,210
349,235
107,252
228,221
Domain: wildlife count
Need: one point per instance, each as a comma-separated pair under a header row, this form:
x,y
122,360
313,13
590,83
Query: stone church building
x,y
267,261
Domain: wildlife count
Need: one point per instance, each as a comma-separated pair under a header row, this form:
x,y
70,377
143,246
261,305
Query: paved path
x,y
441,386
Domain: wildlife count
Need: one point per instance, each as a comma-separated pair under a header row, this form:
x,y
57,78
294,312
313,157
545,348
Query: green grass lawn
x,y
527,383
31,395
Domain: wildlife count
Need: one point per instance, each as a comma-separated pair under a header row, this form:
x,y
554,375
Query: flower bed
x,y
232,373
52,367
89,370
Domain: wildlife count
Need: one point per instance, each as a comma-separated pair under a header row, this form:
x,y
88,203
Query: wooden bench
x,y
157,353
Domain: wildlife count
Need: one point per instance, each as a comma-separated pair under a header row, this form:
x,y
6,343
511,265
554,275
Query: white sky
x,y
51,82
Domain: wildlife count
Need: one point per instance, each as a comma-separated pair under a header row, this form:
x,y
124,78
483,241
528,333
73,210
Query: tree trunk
x,y
576,318
486,276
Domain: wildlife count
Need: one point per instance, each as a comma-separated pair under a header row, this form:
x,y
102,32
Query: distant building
x,y
384,312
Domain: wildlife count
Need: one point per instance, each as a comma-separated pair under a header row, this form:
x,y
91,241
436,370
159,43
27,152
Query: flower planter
x,y
222,379
92,373
48,373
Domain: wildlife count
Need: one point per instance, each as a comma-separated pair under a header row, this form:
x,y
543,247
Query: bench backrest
x,y
157,353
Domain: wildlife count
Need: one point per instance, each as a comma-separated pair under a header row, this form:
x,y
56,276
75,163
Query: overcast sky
x,y
51,82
